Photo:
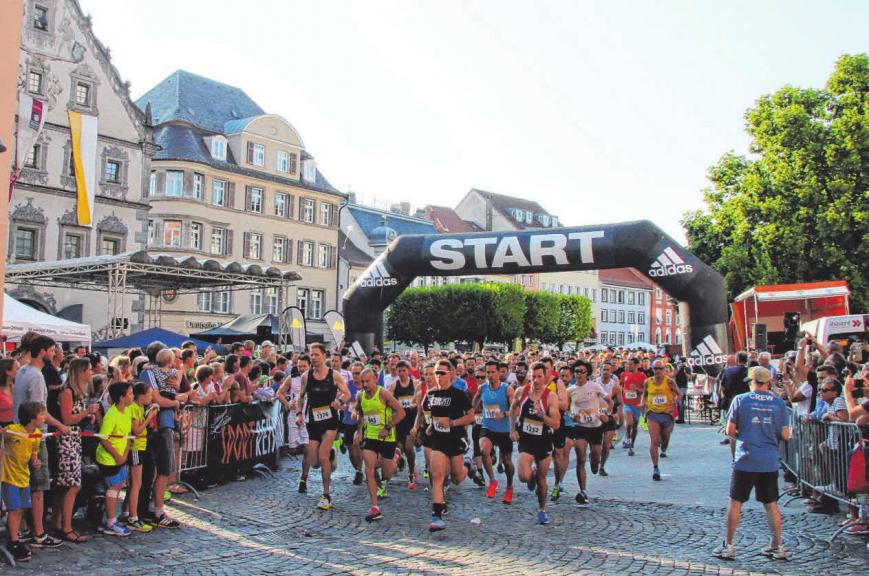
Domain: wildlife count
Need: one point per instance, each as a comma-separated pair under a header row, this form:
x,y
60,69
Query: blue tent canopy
x,y
142,339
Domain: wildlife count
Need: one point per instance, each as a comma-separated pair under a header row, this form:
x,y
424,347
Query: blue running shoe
x,y
543,518
437,524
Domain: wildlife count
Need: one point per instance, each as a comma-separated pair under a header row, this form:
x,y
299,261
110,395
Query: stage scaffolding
x,y
154,274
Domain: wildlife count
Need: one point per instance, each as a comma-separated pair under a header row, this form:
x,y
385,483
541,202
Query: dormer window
x,y
310,174
218,148
283,164
555,221
544,219
529,216
40,18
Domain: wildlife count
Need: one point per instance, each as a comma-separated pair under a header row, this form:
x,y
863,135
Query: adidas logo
x,y
376,276
707,353
669,263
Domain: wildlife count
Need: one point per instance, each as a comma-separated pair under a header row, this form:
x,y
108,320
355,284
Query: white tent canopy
x,y
19,318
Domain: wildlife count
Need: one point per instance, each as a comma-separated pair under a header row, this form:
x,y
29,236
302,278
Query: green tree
x,y
575,319
541,316
795,210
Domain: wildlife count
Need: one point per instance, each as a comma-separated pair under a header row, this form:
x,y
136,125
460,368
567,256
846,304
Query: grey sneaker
x,y
726,551
775,552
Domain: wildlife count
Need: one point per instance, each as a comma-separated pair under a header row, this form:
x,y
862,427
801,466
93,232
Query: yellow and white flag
x,y
83,128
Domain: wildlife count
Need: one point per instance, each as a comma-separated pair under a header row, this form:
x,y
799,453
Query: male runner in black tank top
x,y
404,388
322,386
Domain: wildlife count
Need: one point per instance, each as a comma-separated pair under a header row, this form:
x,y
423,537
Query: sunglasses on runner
x,y
657,367
441,372
828,389
582,371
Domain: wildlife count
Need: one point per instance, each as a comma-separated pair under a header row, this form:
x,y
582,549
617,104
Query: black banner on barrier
x,y
241,435
640,245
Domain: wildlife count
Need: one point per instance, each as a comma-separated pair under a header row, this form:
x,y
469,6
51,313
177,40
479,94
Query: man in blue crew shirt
x,y
758,421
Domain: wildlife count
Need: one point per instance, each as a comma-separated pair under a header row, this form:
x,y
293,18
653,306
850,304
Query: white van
x,y
848,330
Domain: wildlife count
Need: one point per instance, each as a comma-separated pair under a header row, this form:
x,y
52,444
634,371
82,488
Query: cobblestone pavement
x,y
634,526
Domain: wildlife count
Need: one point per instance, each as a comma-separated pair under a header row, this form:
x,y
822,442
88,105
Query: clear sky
x,y
601,111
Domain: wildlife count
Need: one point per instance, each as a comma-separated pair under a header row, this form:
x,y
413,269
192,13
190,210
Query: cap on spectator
x,y
759,374
267,343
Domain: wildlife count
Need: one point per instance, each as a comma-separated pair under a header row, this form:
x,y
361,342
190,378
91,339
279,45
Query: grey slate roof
x,y
181,141
201,101
370,219
352,253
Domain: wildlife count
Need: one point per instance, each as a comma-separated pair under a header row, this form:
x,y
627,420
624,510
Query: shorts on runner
x,y
765,485
663,420
593,436
500,440
539,450
381,448
635,410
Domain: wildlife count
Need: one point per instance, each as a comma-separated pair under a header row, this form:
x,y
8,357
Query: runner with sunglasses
x,y
450,414
660,396
493,401
590,407
534,415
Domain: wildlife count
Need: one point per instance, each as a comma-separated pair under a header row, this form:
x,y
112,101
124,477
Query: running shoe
x,y
382,492
115,529
446,510
625,443
375,513
325,502
402,463
19,550
555,493
857,530
631,451
543,518
602,472
500,468
656,474
775,552
166,522
138,526
45,541
437,524
411,483
725,552
508,495
492,489
425,474
357,479
303,486
478,479
532,482
582,498
594,466
663,453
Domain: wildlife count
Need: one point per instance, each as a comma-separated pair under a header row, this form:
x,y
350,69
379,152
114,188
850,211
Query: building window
x,y
256,302
603,316
40,18
222,302
72,246
172,233
630,297
307,253
152,232
281,205
283,164
604,294
630,337
110,246
256,199
323,256
203,301
34,82
621,297
272,300
218,241
83,94
308,210
679,337
594,294
658,294
152,183
198,183
621,316
603,337
174,183
302,300
316,304
669,318
113,171
641,336
279,252
294,162
325,214
621,339
631,318
641,317
257,154
310,172
255,251
25,244
196,236
32,159
658,336
641,298
667,337
218,193
218,149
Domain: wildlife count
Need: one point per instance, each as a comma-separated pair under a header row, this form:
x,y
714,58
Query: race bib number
x,y
491,411
427,416
585,418
659,400
631,394
372,419
439,426
406,402
478,419
321,413
533,427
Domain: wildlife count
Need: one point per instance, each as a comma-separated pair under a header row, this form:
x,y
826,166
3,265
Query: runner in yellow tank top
x,y
660,395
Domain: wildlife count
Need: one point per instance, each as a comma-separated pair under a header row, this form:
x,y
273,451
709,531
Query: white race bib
x,y
406,402
491,411
427,416
478,419
659,400
439,427
585,418
372,419
321,413
533,427
631,394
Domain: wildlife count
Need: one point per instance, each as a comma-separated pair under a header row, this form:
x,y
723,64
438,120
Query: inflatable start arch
x,y
640,245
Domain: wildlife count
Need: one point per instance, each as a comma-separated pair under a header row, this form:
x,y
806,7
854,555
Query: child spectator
x,y
113,450
141,412
21,452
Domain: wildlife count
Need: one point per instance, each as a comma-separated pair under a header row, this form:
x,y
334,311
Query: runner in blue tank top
x,y
493,400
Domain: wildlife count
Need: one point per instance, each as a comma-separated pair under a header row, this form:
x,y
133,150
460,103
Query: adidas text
x,y
659,271
376,282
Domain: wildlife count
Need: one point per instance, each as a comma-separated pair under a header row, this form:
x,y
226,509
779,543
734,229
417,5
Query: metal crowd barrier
x,y
817,458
